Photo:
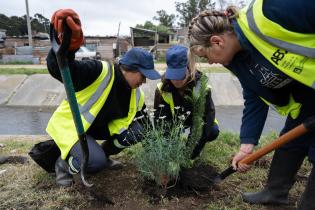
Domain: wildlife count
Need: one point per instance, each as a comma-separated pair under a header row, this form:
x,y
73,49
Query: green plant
x,y
198,100
164,148
161,153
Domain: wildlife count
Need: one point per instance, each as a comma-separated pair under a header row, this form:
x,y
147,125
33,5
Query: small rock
x,y
2,145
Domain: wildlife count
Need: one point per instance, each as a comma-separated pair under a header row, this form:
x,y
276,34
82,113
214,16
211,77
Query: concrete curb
x,y
40,90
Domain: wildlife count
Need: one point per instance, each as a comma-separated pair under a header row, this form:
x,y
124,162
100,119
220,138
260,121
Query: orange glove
x,y
73,21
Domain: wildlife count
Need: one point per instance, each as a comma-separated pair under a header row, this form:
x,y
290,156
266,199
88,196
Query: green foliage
x,y
189,9
198,103
27,71
162,150
16,26
165,19
150,26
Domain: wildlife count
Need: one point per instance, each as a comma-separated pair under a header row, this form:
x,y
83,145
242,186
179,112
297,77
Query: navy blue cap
x,y
177,61
141,60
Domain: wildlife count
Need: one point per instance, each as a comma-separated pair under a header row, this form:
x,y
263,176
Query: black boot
x,y
197,150
307,200
283,169
110,149
63,176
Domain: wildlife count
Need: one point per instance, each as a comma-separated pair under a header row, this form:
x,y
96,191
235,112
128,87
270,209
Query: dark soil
x,y
124,189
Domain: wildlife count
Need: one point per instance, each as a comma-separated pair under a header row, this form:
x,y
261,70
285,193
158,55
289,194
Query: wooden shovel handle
x,y
287,137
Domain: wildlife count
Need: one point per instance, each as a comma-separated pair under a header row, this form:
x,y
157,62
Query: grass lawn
x,y
27,186
21,69
18,70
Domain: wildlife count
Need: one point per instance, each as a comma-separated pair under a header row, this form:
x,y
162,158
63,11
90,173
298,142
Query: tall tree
x,y
149,25
164,18
16,26
189,9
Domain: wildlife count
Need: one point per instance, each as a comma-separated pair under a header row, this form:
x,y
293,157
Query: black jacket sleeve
x,y
209,114
83,73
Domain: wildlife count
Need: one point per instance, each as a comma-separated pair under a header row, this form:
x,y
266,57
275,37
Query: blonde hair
x,y
206,24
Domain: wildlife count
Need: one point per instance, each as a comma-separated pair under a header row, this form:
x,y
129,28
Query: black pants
x,y
305,143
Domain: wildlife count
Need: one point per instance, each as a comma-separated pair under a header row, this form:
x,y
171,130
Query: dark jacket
x,y
258,76
180,100
84,73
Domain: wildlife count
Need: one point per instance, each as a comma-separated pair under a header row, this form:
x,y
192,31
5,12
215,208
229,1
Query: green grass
x,y
27,71
29,187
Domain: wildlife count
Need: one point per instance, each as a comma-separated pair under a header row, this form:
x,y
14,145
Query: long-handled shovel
x,y
61,54
298,131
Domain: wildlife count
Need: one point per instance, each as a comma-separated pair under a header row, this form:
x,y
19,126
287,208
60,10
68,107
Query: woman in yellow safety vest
x,y
109,99
176,89
270,47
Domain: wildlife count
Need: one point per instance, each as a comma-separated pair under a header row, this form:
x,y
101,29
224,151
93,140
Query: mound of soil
x,y
197,180
125,189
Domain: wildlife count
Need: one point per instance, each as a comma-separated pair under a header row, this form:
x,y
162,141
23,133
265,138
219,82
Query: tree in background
x,y
150,26
16,26
189,9
165,19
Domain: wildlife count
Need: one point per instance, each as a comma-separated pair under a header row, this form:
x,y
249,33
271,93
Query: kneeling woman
x,y
176,88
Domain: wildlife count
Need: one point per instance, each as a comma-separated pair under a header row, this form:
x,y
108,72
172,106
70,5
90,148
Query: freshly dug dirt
x,y
125,189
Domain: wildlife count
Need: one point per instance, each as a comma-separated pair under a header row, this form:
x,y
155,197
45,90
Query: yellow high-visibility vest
x,y
291,52
61,126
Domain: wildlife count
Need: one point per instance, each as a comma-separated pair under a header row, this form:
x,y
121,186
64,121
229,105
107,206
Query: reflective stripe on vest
x,y
168,97
91,99
118,126
292,108
292,53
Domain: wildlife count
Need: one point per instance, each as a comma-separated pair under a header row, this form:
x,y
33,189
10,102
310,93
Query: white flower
x,y
162,117
181,117
177,107
140,117
188,112
161,105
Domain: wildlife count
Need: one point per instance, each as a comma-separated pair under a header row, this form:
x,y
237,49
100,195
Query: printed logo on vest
x,y
278,56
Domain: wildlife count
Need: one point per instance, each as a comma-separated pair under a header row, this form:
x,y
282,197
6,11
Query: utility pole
x,y
29,30
117,43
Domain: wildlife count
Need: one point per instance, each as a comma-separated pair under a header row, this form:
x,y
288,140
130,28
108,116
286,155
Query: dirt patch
x,y
127,190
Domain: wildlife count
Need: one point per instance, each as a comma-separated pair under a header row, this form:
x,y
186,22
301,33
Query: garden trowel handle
x,y
298,131
61,54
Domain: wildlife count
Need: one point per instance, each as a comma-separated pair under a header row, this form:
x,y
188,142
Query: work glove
x,y
73,21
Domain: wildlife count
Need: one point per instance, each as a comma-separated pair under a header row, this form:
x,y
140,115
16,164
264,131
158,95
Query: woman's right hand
x,y
245,150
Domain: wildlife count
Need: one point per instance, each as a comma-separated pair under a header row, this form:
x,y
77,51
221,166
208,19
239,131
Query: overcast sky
x,y
98,17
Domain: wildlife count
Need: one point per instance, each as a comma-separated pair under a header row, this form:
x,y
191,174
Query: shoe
x,y
63,176
281,178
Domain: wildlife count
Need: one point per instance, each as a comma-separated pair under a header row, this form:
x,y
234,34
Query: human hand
x,y
245,150
73,21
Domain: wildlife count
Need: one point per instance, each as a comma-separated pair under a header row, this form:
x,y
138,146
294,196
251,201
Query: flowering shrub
x,y
164,147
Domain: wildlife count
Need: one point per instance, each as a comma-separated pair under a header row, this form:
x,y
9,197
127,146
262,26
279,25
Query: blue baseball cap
x,y
141,60
177,61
